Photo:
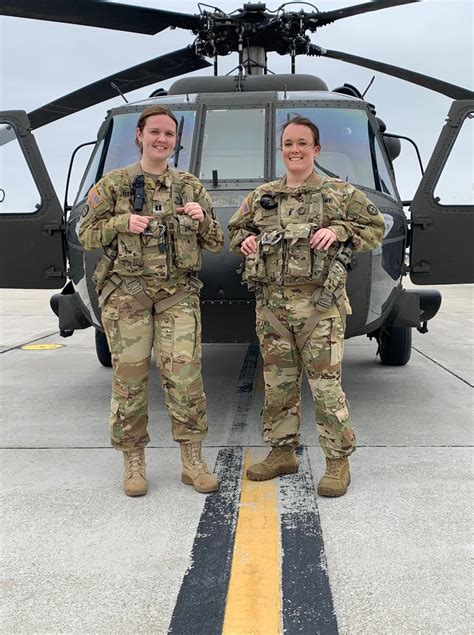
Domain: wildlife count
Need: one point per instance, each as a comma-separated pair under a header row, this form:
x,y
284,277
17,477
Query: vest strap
x,y
134,287
280,328
315,316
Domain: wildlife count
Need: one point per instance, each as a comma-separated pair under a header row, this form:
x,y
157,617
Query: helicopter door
x,y
442,210
31,231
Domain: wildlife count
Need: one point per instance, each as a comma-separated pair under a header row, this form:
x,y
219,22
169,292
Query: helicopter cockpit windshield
x,y
121,149
349,149
234,144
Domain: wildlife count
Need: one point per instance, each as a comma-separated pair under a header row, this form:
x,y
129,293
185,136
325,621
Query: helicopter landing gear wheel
x,y
394,345
102,349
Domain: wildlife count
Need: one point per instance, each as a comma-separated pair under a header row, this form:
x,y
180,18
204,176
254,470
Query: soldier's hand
x,y
322,239
194,210
249,245
137,224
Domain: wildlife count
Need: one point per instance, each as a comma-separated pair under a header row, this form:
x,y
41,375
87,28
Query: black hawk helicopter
x,y
228,136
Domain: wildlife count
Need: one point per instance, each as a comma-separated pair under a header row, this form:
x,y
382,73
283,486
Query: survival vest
x,y
168,248
283,255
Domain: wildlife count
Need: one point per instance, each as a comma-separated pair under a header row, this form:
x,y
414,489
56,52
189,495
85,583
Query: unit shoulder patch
x,y
373,211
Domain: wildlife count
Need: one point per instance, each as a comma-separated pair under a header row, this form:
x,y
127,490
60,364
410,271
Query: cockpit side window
x,y
18,192
345,146
383,179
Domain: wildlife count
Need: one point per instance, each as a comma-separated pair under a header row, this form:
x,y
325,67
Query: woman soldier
x,y
152,222
294,234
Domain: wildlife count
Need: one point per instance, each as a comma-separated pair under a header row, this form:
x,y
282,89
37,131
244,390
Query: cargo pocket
x,y
298,259
166,342
187,253
110,320
116,422
337,341
197,400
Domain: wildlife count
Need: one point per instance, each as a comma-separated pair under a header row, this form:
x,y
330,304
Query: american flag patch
x,y
95,198
244,208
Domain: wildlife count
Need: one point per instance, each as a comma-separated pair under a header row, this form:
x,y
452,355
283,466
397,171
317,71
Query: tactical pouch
x,y
155,249
271,253
129,258
102,270
298,252
321,261
254,268
187,253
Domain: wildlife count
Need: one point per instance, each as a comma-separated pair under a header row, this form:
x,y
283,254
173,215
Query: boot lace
x,y
194,453
334,467
136,461
276,454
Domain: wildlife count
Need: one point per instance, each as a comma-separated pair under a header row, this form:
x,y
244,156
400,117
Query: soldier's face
x,y
158,138
298,149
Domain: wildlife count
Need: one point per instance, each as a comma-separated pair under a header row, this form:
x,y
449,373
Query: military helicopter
x,y
40,247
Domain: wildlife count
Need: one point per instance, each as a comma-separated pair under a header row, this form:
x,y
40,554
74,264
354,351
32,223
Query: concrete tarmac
x,y
78,556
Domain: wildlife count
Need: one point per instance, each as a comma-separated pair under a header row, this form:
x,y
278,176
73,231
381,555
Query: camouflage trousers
x,y
175,336
283,364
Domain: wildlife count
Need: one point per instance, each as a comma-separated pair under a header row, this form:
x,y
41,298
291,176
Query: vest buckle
x,y
265,240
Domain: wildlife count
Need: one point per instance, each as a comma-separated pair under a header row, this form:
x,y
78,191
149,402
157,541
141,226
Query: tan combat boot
x,y
336,479
195,471
281,460
134,479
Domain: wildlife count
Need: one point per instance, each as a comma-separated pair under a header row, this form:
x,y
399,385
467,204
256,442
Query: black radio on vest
x,y
138,191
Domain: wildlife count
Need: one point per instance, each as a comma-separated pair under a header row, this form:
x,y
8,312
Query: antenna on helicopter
x,y
370,84
115,87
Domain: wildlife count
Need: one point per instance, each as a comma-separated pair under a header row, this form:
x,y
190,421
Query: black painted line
x,y
38,339
200,606
245,391
307,604
451,372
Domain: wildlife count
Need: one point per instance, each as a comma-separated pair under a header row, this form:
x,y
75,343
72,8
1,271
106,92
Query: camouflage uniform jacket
x,y
109,207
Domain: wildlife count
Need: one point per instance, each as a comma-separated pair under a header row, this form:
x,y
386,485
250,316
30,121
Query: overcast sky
x,y
41,61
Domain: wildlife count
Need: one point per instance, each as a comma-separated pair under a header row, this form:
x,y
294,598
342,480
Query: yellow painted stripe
x,y
41,347
253,604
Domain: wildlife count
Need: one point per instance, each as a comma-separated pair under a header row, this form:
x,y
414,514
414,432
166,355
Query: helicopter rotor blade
x,y
326,17
100,13
164,67
439,86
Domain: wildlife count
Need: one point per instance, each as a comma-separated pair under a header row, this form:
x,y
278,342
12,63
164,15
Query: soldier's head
x,y
156,133
300,145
